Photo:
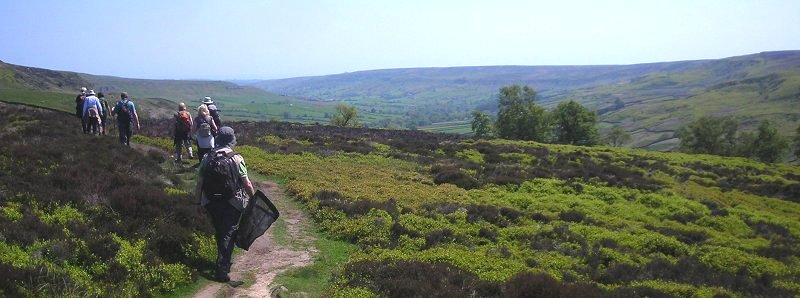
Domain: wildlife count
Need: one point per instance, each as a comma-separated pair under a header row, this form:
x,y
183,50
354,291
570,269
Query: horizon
x,y
263,40
398,68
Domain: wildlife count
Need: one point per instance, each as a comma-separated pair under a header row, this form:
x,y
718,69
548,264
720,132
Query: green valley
x,y
649,100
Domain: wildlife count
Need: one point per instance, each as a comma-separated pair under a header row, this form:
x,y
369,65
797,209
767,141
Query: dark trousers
x,y
225,219
125,132
84,125
201,152
103,124
93,125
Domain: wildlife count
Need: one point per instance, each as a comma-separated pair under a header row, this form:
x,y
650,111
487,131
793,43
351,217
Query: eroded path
x,y
269,256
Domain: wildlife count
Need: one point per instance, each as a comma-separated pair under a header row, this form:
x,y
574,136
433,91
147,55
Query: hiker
x,y
125,111
79,107
104,113
213,111
91,113
224,189
203,125
182,132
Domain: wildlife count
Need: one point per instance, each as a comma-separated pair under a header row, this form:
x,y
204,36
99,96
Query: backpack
x,y
104,105
221,178
204,128
93,112
183,121
123,111
214,112
79,105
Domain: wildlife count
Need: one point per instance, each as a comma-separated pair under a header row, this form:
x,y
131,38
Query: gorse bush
x,y
84,216
445,215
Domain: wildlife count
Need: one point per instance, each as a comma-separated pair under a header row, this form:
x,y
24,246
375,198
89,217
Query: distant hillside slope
x,y
650,100
155,98
23,77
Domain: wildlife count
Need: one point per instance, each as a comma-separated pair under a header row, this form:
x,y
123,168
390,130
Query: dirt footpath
x,y
266,258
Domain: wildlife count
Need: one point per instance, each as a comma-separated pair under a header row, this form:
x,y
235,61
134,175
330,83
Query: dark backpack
x,y
214,115
104,105
183,121
123,111
221,178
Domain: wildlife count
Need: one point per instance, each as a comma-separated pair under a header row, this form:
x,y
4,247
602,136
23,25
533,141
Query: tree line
x,y
721,136
520,118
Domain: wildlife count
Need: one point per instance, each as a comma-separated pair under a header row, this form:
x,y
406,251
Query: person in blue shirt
x,y
91,112
126,115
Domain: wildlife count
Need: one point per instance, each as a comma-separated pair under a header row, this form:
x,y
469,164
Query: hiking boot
x,y
235,283
222,277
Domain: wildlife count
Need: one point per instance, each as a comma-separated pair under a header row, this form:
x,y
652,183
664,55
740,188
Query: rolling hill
x,y
155,98
649,100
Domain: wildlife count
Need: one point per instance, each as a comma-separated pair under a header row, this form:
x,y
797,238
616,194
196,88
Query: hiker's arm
x,y
136,116
248,186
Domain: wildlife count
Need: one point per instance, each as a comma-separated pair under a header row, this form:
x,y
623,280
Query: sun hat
x,y
207,100
226,137
91,92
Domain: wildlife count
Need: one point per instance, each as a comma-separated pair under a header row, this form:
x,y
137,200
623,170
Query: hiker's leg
x,y
225,219
122,133
128,134
201,152
188,143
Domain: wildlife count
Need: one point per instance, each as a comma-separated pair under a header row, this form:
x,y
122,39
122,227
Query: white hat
x,y
207,100
91,92
83,89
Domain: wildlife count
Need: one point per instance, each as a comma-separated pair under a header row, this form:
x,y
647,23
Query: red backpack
x,y
184,121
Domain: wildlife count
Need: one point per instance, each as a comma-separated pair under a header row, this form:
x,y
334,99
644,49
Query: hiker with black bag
x,y
79,108
224,189
213,111
126,114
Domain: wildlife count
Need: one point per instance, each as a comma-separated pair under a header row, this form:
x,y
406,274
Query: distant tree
x,y
618,104
574,124
385,123
768,145
709,135
519,117
617,136
481,124
345,116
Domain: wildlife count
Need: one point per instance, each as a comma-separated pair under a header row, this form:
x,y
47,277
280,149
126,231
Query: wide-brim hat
x,y
207,100
226,137
91,92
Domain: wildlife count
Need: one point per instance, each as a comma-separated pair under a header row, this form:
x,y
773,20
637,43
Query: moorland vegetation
x,y
449,215
83,216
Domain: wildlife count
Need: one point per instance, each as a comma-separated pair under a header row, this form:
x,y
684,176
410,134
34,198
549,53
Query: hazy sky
x,y
276,39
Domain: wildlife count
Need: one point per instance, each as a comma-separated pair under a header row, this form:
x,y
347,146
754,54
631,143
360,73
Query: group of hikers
x,y
93,110
204,127
223,187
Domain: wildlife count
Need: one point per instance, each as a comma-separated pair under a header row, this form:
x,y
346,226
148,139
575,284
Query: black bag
x,y
256,219
221,178
124,111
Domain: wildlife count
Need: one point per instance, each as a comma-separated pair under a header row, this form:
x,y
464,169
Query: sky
x,y
266,39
